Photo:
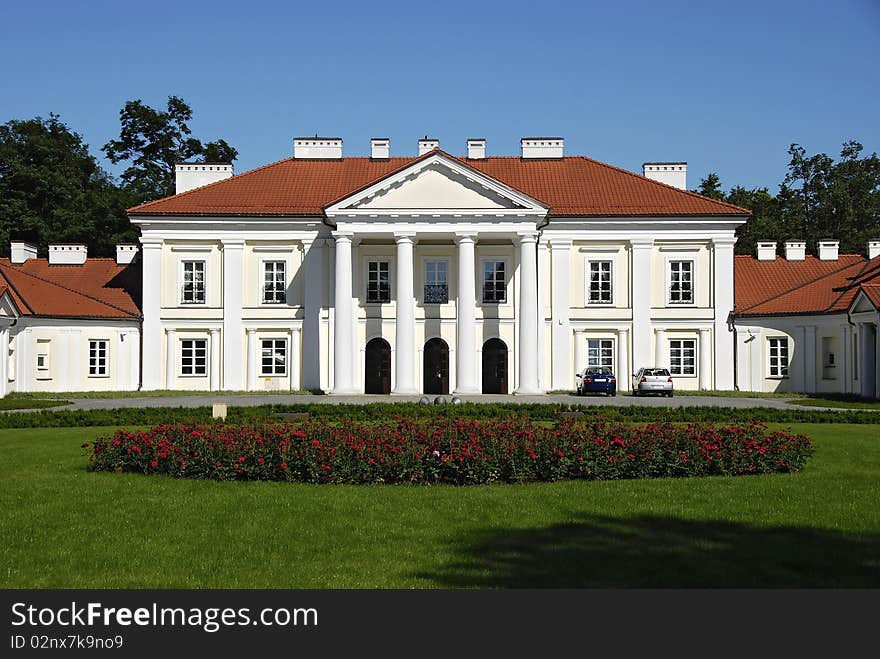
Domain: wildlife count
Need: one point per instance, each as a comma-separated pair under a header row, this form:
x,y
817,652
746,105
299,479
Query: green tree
x,y
53,190
153,141
711,187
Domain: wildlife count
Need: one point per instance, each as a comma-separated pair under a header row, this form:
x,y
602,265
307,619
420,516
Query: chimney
x,y
766,250
191,175
795,250
380,148
428,144
670,173
542,147
828,248
125,253
476,148
873,248
22,251
317,148
68,254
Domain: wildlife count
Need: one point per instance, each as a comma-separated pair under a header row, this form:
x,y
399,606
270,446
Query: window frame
x,y
589,281
612,353
207,365
181,281
274,340
263,283
693,282
380,260
780,375
106,371
482,279
696,357
435,260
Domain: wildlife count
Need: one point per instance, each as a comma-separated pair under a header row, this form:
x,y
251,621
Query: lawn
x,y
65,527
843,402
152,393
29,403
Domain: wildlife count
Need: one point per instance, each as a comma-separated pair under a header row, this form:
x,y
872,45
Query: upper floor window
x,y
682,357
193,357
436,282
274,282
681,282
274,357
97,358
193,285
378,282
599,285
778,357
494,282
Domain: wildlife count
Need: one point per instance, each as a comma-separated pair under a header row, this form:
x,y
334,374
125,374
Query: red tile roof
x,y
811,286
97,289
570,186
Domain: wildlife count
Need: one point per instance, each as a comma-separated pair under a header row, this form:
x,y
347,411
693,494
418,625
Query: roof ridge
x,y
66,288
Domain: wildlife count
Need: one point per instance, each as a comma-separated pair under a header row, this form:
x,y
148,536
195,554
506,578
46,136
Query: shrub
x,y
457,451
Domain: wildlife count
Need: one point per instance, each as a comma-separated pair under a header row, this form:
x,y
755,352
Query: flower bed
x,y
460,452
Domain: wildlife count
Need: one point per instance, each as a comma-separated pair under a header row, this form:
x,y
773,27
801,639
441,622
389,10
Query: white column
x,y
845,359
214,380
527,357
580,351
134,350
723,304
544,357
623,374
562,373
876,365
405,326
810,359
4,360
151,301
252,358
170,358
640,287
313,294
705,357
800,354
342,357
233,282
466,318
295,360
661,353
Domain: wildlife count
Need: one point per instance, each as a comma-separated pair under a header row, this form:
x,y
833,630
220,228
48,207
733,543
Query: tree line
x,y
52,189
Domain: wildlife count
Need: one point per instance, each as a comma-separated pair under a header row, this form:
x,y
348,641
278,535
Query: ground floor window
x,y
600,352
97,358
194,357
778,357
682,357
274,357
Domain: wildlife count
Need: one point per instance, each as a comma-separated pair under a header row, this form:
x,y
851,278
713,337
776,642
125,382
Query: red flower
x,y
284,465
260,461
241,458
154,464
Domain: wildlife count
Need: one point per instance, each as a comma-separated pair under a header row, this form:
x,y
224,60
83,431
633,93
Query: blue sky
x,y
725,86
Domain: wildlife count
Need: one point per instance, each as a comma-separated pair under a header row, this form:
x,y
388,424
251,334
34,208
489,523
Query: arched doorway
x,y
494,367
377,367
436,367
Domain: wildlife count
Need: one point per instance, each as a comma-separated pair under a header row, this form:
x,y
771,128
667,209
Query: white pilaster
x,y
580,351
342,356
723,304
705,357
810,359
846,358
405,326
252,358
313,294
151,308
466,318
296,360
867,359
528,314
233,278
800,350
214,379
623,374
562,373
170,357
640,288
661,352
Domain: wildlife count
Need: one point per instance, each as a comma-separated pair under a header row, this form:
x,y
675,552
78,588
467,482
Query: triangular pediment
x,y
437,184
862,304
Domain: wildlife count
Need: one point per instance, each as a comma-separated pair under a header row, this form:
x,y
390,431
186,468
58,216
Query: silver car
x,y
652,381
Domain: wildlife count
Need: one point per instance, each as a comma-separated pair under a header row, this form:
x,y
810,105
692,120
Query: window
x,y
274,282
494,282
97,358
274,357
378,282
43,361
600,352
681,282
42,352
193,288
599,284
778,357
194,357
436,282
682,357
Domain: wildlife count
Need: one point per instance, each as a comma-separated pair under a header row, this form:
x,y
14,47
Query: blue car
x,y
596,379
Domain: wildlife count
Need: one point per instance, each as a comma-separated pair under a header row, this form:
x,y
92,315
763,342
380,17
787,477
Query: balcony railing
x,y
436,294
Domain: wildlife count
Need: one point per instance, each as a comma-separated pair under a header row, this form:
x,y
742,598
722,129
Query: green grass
x,y
705,393
170,393
29,403
64,527
849,403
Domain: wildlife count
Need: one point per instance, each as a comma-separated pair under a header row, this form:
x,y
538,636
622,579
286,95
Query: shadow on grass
x,y
660,552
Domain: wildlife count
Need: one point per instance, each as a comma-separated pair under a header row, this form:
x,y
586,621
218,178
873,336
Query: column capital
x,y
251,331
579,330
705,330
232,243
465,237
559,243
527,237
660,330
724,241
213,331
622,330
641,242
170,331
405,237
151,242
342,237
